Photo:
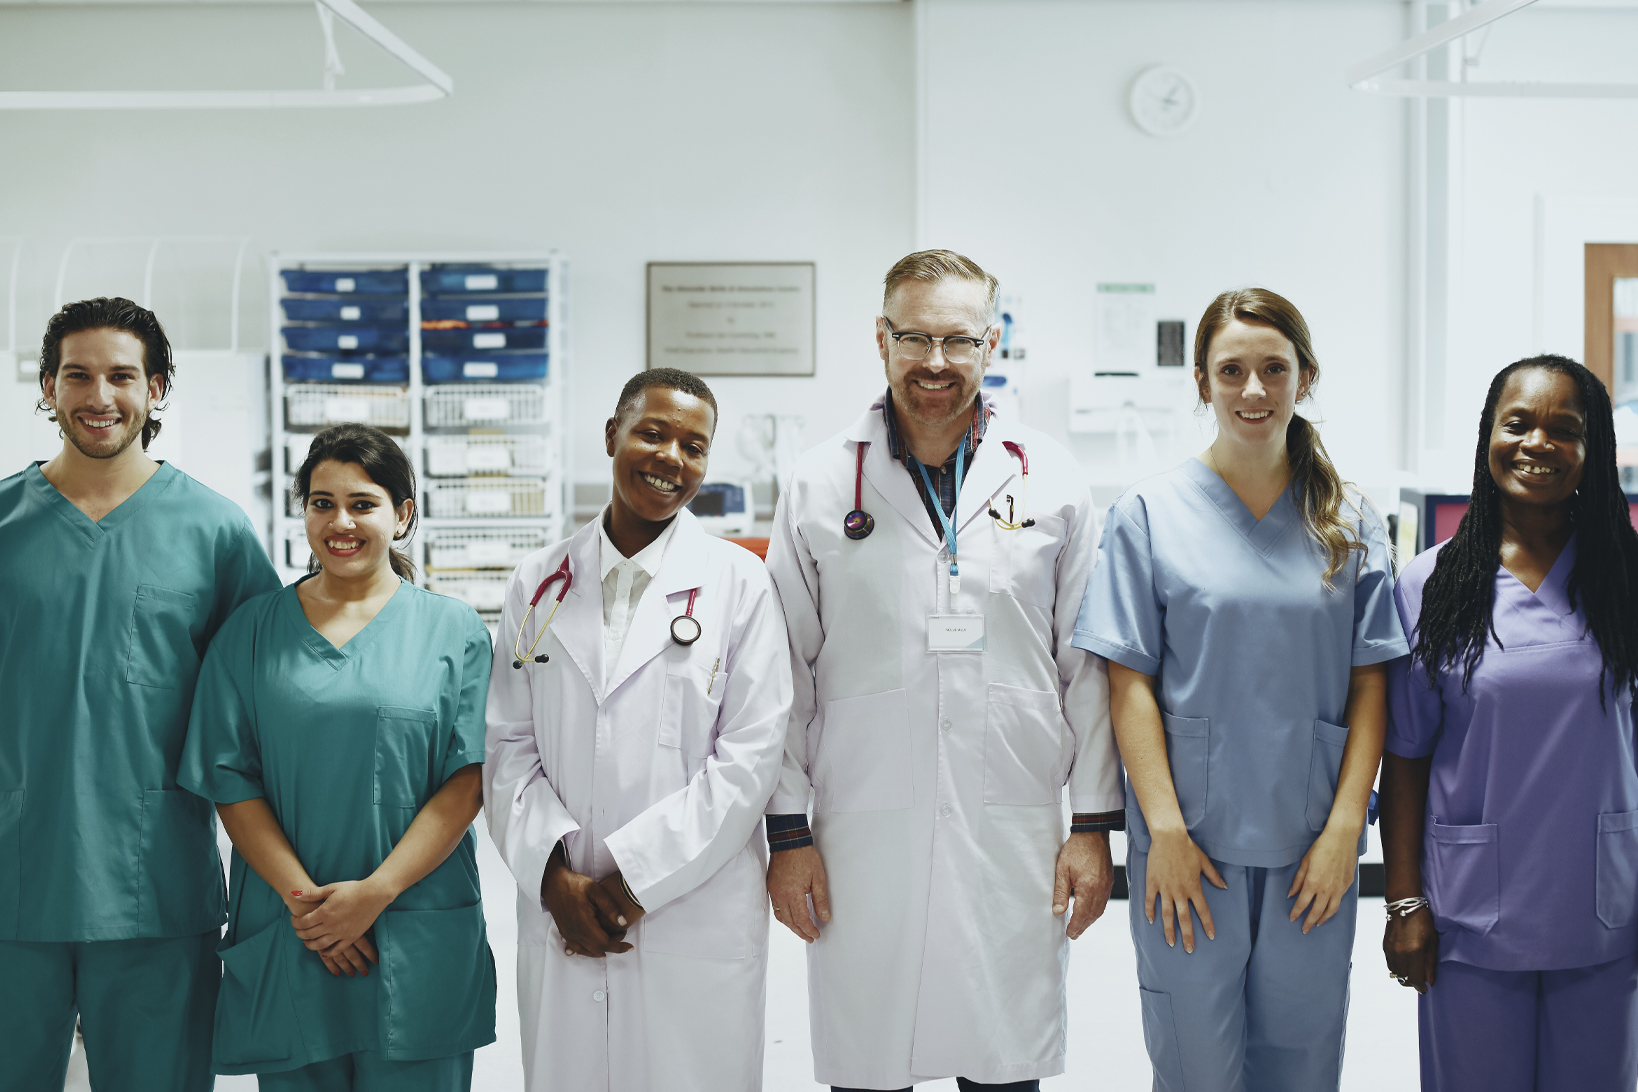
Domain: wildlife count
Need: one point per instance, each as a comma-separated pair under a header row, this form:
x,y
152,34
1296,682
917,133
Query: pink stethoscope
x,y
858,523
685,628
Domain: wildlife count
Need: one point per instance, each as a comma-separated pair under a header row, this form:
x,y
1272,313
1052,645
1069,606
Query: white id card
x,y
955,633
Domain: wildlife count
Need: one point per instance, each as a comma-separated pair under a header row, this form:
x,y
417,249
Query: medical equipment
x,y
725,507
560,573
858,523
1008,524
690,625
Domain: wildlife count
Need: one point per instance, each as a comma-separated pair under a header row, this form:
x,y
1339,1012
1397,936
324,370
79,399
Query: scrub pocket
x,y
1023,746
407,765
161,652
1025,563
1160,1036
438,982
1188,749
180,888
255,1012
863,757
1464,874
726,917
1329,742
1617,868
688,714
11,860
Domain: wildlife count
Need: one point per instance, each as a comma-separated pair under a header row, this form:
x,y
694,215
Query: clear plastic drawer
x,y
480,498
480,455
483,592
318,404
471,404
479,549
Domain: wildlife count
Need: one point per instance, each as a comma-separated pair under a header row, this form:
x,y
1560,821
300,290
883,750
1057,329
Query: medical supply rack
x,y
462,357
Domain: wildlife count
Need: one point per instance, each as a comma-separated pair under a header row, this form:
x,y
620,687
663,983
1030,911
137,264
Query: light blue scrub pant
x,y
1262,1008
147,1008
367,1071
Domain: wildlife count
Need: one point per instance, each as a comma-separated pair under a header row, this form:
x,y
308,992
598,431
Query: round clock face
x,y
1162,101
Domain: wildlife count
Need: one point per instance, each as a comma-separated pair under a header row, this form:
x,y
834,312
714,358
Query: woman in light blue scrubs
x,y
1243,601
338,725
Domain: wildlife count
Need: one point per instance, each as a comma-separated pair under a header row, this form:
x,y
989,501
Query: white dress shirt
x,y
624,581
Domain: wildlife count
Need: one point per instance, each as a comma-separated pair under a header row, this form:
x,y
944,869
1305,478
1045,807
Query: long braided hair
x,y
1457,599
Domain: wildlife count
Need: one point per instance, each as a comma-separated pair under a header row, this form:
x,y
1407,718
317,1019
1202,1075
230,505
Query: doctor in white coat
x,y
631,753
930,591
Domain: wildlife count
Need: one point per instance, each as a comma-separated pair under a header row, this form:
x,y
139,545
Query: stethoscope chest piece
x,y
685,629
858,524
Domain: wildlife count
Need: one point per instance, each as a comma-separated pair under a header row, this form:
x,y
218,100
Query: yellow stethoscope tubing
x,y
1023,491
560,573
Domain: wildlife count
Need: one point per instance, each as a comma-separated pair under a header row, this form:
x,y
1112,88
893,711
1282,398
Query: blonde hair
x,y
931,266
1320,490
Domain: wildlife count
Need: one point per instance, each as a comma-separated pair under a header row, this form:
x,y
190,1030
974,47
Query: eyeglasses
x,y
957,348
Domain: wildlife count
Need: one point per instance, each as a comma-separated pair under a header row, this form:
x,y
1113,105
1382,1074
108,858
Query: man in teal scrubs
x,y
115,572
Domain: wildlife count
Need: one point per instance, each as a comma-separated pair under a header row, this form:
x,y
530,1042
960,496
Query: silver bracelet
x,y
1404,908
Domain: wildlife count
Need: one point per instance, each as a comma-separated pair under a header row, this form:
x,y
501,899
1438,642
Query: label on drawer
x,y
488,457
346,341
351,314
489,341
488,553
344,284
483,312
480,369
337,410
484,409
488,502
347,371
482,282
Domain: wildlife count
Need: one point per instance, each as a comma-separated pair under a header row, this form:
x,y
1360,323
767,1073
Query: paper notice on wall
x,y
488,502
484,409
731,318
1123,329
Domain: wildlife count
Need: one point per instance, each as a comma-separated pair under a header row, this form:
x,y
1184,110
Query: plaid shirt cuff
x,y
1091,822
788,832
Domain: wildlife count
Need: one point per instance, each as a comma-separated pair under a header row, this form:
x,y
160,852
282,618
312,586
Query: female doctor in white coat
x,y
637,717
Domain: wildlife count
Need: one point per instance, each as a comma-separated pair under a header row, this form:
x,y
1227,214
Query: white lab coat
x,y
936,780
663,773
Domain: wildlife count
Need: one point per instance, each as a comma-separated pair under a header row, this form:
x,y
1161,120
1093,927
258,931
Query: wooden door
x,y
1604,263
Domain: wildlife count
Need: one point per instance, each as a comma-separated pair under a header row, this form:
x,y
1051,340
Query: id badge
x,y
955,633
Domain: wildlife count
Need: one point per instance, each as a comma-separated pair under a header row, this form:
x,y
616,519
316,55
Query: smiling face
x,y
101,394
1252,381
661,447
350,520
1538,442
932,391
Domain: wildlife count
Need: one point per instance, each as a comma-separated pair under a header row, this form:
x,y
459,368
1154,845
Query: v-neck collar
x,y
1554,592
124,512
320,645
1263,533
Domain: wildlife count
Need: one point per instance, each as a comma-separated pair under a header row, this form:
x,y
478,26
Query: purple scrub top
x,y
1530,859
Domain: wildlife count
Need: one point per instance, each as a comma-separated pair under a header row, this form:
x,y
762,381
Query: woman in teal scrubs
x,y
338,725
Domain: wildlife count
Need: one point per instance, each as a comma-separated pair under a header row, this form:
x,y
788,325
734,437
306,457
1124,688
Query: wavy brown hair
x,y
1319,489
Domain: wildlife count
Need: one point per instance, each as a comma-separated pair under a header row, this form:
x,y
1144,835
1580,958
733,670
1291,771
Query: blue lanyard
x,y
938,508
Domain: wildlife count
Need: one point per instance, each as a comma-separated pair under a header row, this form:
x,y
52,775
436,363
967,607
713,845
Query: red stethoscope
x,y
858,523
685,628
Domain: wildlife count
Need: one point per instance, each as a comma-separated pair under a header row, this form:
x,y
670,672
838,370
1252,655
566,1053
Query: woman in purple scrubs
x,y
1510,787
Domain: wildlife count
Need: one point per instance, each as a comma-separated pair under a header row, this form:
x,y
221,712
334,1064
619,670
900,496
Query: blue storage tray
x,y
328,368
464,280
346,310
347,339
480,368
527,309
364,282
483,339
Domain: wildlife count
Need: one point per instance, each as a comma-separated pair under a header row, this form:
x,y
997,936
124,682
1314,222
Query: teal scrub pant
x,y
147,1007
367,1071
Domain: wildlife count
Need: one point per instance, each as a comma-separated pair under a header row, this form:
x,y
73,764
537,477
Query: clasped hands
x,y
332,920
591,915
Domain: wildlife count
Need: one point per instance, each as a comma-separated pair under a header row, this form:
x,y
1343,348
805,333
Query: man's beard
x,y
904,400
108,446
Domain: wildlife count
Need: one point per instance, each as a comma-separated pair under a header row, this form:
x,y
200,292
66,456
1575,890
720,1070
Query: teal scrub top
x,y
346,745
102,628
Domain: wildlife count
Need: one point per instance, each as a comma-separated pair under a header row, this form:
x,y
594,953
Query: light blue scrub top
x,y
346,745
102,628
1252,653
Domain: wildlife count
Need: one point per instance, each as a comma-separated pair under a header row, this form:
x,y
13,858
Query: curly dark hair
x,y
1457,599
110,313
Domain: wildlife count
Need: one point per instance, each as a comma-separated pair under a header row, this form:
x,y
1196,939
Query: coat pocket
x,y
438,982
11,860
1160,1037
161,652
1617,868
688,710
726,917
862,762
407,765
1188,750
1464,874
1023,746
255,1012
180,889
1323,767
1025,564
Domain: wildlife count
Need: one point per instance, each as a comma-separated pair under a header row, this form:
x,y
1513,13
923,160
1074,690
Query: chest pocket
x,y
1025,565
161,653
407,763
689,707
